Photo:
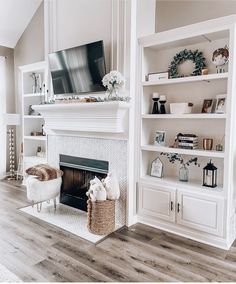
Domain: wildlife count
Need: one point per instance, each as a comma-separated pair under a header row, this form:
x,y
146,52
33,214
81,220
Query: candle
x,y
162,98
208,180
155,95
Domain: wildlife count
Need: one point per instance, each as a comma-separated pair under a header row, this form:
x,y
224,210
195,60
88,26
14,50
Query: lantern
x,y
210,175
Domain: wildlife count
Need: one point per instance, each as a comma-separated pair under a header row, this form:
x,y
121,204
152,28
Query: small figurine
x,y
220,58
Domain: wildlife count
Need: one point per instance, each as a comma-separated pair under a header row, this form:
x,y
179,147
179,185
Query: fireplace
x,y
77,174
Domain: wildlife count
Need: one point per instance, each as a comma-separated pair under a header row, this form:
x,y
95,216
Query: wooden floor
x,y
36,251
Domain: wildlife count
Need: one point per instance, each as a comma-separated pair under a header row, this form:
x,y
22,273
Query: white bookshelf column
x,y
188,208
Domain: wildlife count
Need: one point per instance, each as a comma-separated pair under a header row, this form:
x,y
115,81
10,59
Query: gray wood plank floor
x,y
36,251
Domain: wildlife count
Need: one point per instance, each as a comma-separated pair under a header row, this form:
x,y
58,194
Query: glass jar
x,y
183,173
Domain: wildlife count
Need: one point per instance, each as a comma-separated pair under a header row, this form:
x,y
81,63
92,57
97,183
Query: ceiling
x,y
15,16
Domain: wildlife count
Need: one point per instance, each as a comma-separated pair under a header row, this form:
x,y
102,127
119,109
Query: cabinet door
x,y
200,212
157,201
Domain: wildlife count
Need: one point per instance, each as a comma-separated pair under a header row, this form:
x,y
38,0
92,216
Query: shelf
x,y
184,116
196,152
33,95
35,158
33,116
38,138
190,79
195,185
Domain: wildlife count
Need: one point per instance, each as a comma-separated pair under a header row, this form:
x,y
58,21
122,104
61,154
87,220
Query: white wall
x,y
172,14
83,21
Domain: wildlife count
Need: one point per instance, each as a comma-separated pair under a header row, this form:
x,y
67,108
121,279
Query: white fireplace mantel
x,y
100,117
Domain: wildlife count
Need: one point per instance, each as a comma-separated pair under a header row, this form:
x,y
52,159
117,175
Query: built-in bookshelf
x,y
32,122
188,208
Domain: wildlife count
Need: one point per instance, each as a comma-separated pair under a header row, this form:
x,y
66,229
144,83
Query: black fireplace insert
x,y
77,174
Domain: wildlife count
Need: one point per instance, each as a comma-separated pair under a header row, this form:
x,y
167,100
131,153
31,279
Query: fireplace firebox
x,y
77,174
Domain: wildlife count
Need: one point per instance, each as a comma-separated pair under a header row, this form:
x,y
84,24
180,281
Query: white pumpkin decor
x,y
108,188
112,186
96,190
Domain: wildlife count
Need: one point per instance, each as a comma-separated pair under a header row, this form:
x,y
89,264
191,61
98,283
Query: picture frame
x,y
220,106
207,106
160,138
157,168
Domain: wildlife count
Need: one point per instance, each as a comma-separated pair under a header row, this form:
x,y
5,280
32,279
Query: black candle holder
x,y
155,109
162,107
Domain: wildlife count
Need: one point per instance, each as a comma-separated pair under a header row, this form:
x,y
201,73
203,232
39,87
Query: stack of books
x,y
188,142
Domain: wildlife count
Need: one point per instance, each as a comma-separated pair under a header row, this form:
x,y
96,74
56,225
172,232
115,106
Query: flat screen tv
x,y
79,69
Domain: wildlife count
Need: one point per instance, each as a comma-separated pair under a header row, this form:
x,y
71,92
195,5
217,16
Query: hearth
x,y
78,172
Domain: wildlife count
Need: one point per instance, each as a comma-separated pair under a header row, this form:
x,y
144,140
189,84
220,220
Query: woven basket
x,y
101,217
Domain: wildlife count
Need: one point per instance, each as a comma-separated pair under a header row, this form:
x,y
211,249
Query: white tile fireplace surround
x,y
111,150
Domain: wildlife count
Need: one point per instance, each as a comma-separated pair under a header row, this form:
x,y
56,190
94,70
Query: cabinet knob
x,y
178,208
171,206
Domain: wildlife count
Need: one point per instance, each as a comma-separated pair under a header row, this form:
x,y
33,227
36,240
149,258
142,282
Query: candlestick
x,y
162,101
155,109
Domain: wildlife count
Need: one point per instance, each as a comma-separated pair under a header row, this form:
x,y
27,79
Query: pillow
x,y
44,172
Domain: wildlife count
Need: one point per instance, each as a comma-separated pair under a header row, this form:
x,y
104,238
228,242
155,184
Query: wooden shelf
x,y
195,185
196,152
33,116
184,116
190,79
39,138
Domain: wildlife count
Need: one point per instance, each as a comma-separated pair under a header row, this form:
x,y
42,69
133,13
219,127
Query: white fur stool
x,y
40,191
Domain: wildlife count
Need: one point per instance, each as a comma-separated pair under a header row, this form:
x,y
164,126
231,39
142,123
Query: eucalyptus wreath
x,y
184,55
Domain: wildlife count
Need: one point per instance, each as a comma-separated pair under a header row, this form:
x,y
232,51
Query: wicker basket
x,y
101,217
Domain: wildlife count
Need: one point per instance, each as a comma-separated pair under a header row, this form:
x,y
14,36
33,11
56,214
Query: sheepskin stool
x,y
43,184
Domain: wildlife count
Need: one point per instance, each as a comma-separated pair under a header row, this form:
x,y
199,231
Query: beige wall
x,y
10,90
176,13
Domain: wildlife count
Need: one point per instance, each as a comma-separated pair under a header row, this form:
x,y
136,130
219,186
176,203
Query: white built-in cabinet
x,y
188,208
32,122
199,212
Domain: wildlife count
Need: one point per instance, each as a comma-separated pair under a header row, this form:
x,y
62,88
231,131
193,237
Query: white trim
x,y
3,128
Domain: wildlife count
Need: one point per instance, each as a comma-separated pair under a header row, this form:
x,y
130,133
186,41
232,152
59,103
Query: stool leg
x,y
55,204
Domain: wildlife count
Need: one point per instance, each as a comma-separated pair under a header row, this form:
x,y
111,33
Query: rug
x,y
7,276
67,218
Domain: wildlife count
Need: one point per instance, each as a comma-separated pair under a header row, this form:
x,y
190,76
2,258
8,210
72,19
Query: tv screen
x,y
79,69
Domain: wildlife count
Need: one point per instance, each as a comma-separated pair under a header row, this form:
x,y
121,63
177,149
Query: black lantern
x,y
210,175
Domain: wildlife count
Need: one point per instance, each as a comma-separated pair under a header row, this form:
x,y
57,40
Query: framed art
x,y
220,104
160,138
157,168
207,106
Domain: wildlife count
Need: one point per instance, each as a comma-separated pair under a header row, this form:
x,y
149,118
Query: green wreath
x,y
184,55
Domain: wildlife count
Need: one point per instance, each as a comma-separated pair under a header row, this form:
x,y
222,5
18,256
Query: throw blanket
x,y
44,172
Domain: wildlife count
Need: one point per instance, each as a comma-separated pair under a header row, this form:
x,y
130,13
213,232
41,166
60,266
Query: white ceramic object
x,y
96,190
101,193
112,186
180,108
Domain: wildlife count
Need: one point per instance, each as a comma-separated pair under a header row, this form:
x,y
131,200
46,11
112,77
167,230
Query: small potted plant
x,y
113,81
183,171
